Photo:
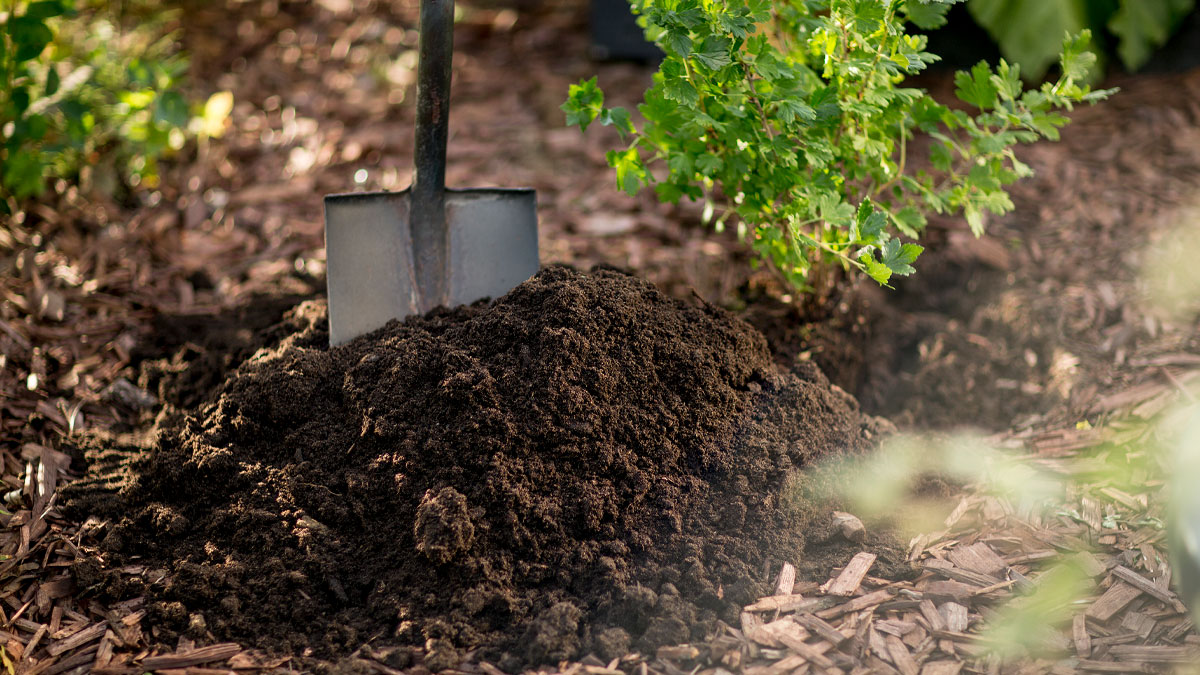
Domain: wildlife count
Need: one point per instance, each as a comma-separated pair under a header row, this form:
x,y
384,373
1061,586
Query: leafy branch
x,y
794,112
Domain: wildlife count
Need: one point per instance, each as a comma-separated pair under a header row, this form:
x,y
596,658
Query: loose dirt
x,y
586,465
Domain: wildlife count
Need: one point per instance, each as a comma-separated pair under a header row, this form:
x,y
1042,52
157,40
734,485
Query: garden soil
x,y
584,466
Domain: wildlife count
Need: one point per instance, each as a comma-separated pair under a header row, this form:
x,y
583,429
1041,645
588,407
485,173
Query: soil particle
x,y
584,465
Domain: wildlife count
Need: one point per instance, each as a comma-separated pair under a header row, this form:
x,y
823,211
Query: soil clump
x,y
584,465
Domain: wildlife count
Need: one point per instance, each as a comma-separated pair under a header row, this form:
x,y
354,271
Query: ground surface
x,y
585,466
1041,325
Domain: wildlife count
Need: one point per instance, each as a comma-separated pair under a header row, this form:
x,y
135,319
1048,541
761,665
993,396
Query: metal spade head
x,y
391,254
372,259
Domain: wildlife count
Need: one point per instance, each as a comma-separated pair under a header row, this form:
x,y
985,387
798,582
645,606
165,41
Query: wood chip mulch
x,y
1125,616
81,281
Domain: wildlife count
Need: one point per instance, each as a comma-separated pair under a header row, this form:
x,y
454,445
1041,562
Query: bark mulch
x,y
1036,332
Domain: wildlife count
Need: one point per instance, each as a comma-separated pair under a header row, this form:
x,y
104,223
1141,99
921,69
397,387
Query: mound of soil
x,y
585,465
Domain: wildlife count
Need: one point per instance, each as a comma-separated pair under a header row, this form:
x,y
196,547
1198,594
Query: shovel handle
x,y
429,232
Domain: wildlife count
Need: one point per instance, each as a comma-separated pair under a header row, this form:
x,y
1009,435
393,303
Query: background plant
x,y
86,95
1019,26
790,116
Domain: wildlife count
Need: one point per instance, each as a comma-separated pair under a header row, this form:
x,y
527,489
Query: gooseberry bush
x,y
789,118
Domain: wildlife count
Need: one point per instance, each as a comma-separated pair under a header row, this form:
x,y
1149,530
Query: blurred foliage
x,y
1026,30
91,92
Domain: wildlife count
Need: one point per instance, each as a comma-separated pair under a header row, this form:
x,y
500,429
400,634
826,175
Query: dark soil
x,y
586,465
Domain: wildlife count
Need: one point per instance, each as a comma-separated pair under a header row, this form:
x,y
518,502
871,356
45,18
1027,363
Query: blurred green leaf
x,y
171,109
1021,28
24,174
52,81
45,9
30,36
1144,25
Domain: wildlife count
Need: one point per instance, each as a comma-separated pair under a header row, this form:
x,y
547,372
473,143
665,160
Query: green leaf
x,y
899,257
619,119
20,101
875,269
23,174
679,42
974,219
714,53
30,36
709,164
739,24
976,87
1020,28
171,109
52,81
791,109
681,90
35,127
925,14
909,221
869,224
941,155
867,15
833,210
1077,62
45,9
631,173
583,104
1144,25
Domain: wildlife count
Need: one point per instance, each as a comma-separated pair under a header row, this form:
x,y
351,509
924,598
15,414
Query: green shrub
x,y
790,116
1021,26
78,89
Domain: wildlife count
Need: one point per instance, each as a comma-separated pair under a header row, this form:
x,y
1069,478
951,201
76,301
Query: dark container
x,y
616,35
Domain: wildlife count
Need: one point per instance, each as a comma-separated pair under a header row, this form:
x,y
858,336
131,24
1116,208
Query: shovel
x,y
392,254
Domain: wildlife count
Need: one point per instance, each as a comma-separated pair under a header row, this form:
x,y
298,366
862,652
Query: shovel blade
x,y
370,272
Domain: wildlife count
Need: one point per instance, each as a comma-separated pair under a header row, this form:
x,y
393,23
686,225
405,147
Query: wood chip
x,y
949,571
677,653
852,575
785,665
942,668
786,581
820,627
210,654
1149,587
1104,667
792,636
1139,623
1155,653
955,616
78,639
948,591
783,603
978,557
930,612
1087,562
900,656
857,604
1116,598
80,658
1079,635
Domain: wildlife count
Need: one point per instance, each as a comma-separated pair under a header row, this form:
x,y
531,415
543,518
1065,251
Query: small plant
x,y
790,115
77,90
